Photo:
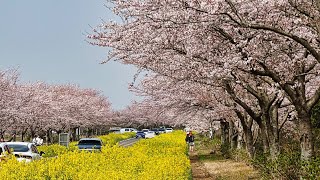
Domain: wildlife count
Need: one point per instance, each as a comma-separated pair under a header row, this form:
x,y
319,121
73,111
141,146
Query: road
x,y
128,142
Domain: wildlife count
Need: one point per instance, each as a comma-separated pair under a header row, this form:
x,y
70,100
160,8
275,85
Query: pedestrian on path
x,y
190,141
37,141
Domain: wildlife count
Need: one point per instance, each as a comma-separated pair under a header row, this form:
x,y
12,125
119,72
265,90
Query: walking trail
x,y
211,168
198,169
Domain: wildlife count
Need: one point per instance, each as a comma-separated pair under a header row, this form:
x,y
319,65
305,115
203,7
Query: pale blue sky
x,y
46,40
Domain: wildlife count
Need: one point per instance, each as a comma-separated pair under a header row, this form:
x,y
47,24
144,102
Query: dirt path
x,y
220,169
198,169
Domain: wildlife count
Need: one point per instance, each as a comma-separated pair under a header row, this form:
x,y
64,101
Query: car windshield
x,y
90,142
139,132
19,147
161,129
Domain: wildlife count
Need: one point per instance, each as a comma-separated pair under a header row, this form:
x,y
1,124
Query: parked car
x,y
25,151
4,150
140,134
125,130
149,134
114,130
169,130
90,144
162,130
155,130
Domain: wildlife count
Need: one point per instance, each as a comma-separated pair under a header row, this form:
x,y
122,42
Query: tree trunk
x,y
246,125
273,132
73,134
264,137
249,142
239,141
22,136
224,132
48,138
306,138
232,138
33,133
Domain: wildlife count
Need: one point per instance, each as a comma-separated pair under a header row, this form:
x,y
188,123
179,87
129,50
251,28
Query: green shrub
x,y
286,166
240,155
311,169
225,150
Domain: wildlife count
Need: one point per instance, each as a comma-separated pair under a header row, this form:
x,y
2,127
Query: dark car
x,y
162,130
90,144
140,134
155,130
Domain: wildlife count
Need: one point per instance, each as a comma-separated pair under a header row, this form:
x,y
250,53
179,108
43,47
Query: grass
x,y
210,157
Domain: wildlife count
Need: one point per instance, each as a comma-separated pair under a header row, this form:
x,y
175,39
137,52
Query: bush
x,y
311,169
286,166
240,155
225,150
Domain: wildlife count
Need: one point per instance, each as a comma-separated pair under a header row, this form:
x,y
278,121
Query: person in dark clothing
x,y
190,141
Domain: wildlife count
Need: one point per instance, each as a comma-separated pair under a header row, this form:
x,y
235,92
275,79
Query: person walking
x,y
37,141
190,141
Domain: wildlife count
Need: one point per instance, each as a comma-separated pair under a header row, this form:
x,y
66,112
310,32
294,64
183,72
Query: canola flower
x,y
163,157
56,150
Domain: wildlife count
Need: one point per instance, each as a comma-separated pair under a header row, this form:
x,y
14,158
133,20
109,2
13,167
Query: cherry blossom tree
x,y
39,108
209,42
8,83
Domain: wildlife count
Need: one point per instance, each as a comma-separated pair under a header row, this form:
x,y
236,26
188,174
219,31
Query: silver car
x,y
90,144
25,151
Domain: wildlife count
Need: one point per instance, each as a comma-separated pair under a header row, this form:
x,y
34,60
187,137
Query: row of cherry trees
x,y
38,108
253,63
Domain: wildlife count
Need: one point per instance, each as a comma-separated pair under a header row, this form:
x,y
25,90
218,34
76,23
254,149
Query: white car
x,y
169,130
25,151
150,134
125,130
145,130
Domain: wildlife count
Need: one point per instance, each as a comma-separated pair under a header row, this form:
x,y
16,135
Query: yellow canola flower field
x,y
56,150
163,157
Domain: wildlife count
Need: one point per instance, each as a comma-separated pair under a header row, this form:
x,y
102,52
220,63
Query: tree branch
x,y
314,100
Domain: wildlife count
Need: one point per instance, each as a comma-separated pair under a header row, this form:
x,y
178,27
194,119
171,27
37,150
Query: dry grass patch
x,y
228,169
